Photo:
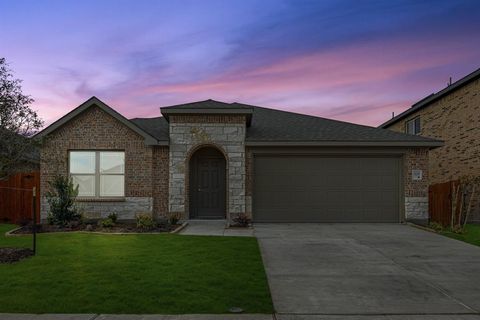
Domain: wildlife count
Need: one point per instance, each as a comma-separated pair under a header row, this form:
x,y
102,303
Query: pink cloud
x,y
358,83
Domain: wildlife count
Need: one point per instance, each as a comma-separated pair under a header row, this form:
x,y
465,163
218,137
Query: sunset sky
x,y
356,61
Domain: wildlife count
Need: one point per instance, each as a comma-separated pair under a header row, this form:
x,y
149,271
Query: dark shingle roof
x,y
269,125
433,97
157,127
207,104
264,126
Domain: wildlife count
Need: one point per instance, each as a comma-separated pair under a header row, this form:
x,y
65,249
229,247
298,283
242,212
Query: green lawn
x,y
169,274
471,234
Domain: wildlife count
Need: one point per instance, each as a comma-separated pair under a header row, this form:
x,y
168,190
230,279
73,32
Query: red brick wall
x,y
96,130
160,181
416,158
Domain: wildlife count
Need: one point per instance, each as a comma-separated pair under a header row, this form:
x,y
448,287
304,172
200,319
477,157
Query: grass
x,y
471,234
144,274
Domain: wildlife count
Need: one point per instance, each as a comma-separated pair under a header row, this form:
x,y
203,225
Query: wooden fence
x,y
16,197
440,197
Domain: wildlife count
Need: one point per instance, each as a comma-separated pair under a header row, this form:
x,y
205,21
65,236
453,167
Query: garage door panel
x,y
326,189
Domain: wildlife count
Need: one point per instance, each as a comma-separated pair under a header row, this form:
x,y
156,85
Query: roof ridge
x,y
312,116
194,102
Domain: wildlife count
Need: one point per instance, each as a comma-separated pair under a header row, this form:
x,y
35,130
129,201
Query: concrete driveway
x,y
355,271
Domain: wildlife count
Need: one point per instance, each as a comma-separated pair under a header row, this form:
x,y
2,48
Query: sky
x,y
355,61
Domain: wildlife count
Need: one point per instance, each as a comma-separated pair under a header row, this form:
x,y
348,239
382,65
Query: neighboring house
x,y
215,160
452,115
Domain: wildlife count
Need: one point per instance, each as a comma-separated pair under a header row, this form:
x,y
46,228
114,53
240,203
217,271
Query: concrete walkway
x,y
214,228
369,271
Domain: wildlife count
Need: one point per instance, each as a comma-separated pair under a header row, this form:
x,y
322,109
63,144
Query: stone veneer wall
x,y
416,192
96,130
455,119
188,134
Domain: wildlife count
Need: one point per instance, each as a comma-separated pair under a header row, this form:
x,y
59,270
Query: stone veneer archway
x,y
226,133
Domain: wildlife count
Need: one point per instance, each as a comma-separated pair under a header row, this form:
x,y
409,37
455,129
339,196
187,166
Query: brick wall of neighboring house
x,y
188,134
96,130
455,119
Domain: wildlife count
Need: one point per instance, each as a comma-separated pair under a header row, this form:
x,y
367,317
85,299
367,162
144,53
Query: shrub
x,y
173,219
436,226
458,229
113,216
145,221
61,199
242,220
107,223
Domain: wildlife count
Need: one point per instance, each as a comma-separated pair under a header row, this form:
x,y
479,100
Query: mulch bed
x,y
11,255
118,228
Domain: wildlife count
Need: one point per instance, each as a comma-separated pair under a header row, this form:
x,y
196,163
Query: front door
x,y
207,184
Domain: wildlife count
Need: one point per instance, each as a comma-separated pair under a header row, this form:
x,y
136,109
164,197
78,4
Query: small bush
x,y
435,226
113,216
242,220
61,199
144,221
173,219
107,223
458,229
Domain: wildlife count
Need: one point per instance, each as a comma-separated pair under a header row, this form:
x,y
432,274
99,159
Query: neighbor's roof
x,y
432,98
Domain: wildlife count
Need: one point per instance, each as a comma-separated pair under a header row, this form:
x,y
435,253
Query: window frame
x,y
98,174
413,120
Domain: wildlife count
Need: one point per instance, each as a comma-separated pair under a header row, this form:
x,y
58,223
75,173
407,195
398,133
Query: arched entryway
x,y
207,185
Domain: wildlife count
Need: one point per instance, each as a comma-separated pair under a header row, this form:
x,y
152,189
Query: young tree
x,y
18,122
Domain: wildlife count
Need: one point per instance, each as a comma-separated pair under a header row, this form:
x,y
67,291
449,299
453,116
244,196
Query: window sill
x,y
92,199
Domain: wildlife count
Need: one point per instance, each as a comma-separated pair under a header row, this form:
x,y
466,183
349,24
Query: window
x,y
98,173
413,126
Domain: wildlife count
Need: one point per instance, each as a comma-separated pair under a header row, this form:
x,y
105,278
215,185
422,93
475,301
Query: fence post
x,y
34,229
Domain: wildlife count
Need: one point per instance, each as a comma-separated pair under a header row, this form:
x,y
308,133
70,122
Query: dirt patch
x,y
117,228
11,255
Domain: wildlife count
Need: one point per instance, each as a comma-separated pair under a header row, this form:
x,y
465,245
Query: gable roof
x,y
208,107
275,127
432,98
269,127
94,101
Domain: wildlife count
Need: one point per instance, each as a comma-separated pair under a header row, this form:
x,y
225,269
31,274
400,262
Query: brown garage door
x,y
326,189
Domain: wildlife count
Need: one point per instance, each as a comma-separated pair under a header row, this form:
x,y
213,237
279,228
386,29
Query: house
x,y
452,115
215,160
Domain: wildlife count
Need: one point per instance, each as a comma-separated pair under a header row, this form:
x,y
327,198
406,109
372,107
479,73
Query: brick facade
x,y
455,119
416,191
157,177
160,181
96,130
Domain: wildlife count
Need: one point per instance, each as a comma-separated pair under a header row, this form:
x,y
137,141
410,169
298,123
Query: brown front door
x,y
207,184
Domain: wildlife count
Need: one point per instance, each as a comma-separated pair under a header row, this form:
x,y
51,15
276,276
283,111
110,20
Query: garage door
x,y
326,189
